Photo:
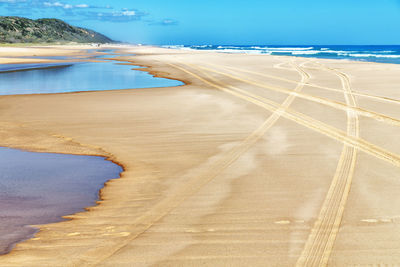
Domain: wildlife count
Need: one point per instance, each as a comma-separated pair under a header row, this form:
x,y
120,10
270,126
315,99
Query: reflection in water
x,y
4,68
89,76
38,188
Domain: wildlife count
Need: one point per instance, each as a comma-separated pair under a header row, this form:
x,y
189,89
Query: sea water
x,y
372,53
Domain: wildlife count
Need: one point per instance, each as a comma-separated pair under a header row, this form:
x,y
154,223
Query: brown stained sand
x,y
224,171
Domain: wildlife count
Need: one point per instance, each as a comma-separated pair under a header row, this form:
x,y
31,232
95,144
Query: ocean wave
x,y
230,47
201,46
362,53
241,51
283,48
306,52
374,55
173,46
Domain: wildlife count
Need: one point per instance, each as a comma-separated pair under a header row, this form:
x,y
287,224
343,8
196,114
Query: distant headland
x,y
24,30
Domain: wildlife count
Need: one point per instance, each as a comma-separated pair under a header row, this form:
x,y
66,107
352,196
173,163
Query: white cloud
x,y
164,22
12,1
62,5
81,11
168,21
123,15
56,4
129,13
82,6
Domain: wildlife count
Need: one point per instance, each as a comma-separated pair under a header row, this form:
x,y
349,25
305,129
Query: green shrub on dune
x,y
23,30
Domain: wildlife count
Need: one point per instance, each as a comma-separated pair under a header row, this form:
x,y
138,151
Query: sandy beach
x,y
257,161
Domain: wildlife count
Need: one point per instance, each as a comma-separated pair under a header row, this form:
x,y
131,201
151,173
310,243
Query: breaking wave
x,y
390,54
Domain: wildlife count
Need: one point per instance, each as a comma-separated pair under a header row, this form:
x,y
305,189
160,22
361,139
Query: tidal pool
x,y
74,77
39,188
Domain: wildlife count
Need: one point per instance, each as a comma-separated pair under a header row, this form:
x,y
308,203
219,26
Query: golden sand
x,y
257,161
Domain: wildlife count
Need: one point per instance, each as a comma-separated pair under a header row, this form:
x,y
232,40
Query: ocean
x,y
371,53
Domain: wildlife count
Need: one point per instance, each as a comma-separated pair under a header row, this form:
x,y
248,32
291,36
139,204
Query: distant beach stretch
x,y
236,156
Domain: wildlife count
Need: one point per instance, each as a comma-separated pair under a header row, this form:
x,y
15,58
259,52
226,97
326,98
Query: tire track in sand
x,y
320,100
321,240
298,117
279,66
333,208
174,199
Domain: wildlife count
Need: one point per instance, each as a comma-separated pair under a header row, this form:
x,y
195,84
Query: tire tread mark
x,y
146,221
308,122
321,240
334,104
355,93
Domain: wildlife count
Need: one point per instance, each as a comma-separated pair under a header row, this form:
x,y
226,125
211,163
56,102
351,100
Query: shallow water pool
x,y
38,188
74,77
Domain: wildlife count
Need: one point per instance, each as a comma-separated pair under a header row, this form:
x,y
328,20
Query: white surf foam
x,y
374,55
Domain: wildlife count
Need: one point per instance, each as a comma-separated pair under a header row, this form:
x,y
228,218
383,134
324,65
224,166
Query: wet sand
x,y
258,160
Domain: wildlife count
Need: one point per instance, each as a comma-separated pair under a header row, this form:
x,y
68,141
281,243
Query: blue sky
x,y
225,22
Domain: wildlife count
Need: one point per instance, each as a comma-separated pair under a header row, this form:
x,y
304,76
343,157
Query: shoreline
x,y
106,155
304,48
189,83
110,59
